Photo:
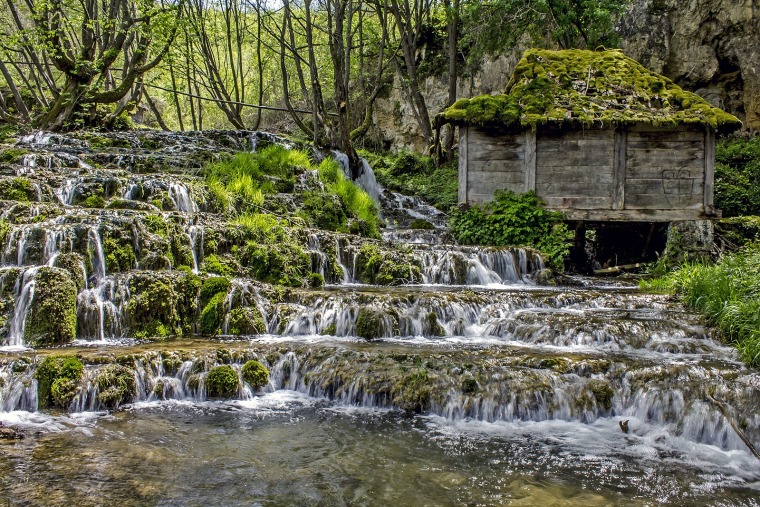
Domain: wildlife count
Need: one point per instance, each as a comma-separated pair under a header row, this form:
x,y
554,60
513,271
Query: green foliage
x,y
514,219
214,264
727,293
737,176
377,266
17,189
213,286
120,256
212,315
58,379
222,382
245,320
369,323
588,87
116,385
357,204
255,373
324,211
421,224
316,281
94,201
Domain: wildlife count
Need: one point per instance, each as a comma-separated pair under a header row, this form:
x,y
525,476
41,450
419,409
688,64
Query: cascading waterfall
x,y
469,340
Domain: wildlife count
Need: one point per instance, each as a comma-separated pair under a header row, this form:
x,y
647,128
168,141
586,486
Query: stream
x,y
479,385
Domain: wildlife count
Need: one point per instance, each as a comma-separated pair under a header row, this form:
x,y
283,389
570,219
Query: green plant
x,y
222,382
514,219
58,379
737,176
255,373
727,293
116,385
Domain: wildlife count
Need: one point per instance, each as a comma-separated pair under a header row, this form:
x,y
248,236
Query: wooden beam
x,y
635,215
463,163
709,169
530,160
619,160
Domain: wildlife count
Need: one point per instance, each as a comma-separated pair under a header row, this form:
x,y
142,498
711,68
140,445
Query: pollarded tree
x,y
100,50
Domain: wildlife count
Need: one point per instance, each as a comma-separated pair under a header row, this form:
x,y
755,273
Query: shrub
x,y
255,374
514,219
737,176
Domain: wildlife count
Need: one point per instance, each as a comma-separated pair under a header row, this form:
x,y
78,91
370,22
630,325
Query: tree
x,y
99,50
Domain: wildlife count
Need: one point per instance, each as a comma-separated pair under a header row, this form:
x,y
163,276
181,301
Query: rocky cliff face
x,y
711,47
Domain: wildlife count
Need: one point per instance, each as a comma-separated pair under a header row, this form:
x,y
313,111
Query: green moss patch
x,y
246,321
222,382
52,317
58,380
589,87
17,189
116,385
255,373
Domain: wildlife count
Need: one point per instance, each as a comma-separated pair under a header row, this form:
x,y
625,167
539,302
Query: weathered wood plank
x,y
619,170
505,141
665,157
683,186
481,179
591,157
578,202
591,189
666,145
709,169
577,173
636,215
583,178
569,135
651,136
663,171
561,146
476,166
530,160
663,201
464,143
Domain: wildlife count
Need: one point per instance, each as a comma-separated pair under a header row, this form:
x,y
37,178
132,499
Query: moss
x,y
217,265
17,189
369,324
603,393
432,327
212,315
52,317
470,386
246,321
222,382
94,201
315,280
116,385
58,380
74,264
588,87
255,374
12,156
162,304
421,224
212,286
120,256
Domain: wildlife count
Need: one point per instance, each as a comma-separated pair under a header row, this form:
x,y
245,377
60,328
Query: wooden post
x,y
530,160
463,142
709,169
619,169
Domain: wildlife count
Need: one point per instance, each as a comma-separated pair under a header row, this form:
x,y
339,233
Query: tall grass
x,y
727,293
357,202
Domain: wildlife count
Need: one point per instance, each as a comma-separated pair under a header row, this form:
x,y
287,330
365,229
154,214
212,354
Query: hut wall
x,y
636,174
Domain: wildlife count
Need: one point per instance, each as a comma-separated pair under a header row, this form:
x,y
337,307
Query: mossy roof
x,y
599,88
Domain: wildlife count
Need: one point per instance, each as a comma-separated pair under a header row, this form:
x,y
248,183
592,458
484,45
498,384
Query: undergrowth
x,y
727,293
737,176
514,219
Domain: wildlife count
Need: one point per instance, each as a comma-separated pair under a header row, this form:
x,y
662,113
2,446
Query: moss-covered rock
x,y
58,380
432,326
116,385
222,382
245,320
369,324
603,393
162,303
74,264
17,189
212,315
587,87
52,317
255,373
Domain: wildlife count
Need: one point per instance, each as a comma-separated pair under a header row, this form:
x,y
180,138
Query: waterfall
x,y
195,235
24,295
182,199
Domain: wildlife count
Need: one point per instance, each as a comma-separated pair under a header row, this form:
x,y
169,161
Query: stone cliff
x,y
711,47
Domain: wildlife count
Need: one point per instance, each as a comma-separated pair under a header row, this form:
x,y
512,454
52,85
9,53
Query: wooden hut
x,y
596,135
